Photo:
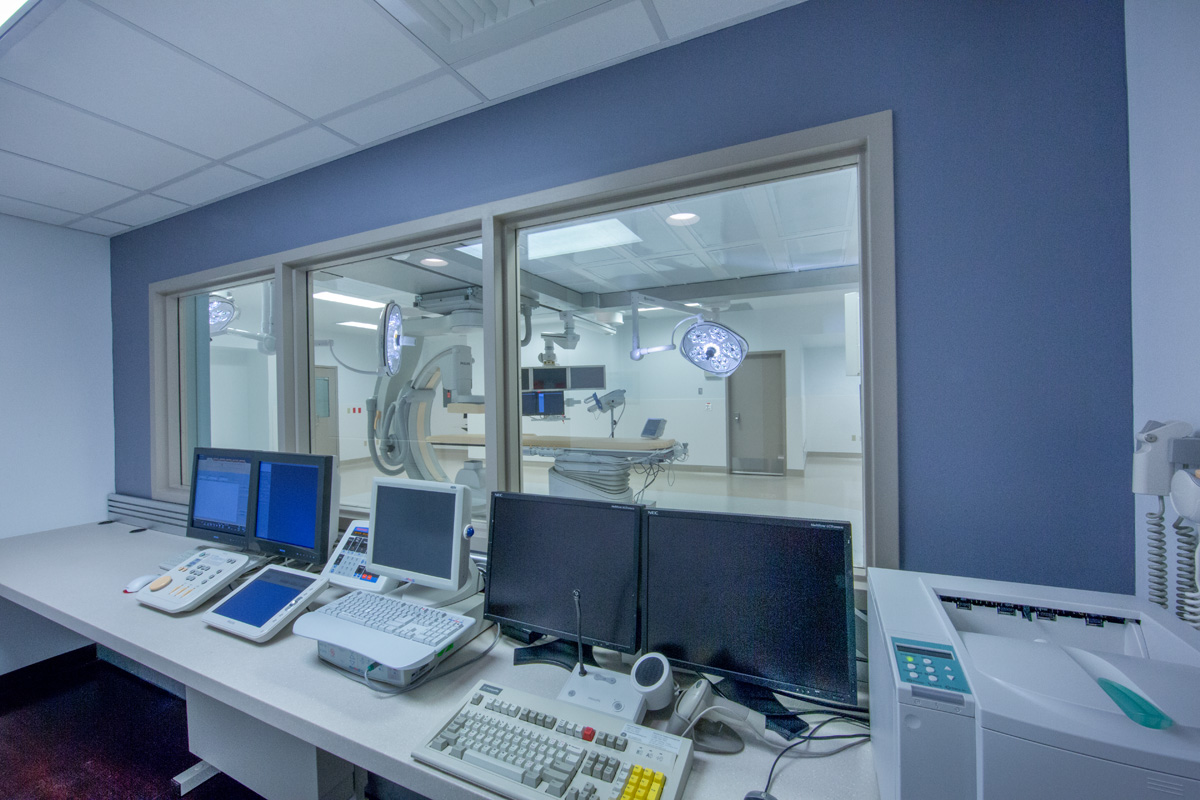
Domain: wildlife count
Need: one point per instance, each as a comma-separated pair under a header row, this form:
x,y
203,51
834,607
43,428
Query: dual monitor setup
x,y
543,389
764,601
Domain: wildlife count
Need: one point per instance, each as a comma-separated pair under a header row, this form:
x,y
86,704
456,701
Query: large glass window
x,y
397,369
228,395
700,353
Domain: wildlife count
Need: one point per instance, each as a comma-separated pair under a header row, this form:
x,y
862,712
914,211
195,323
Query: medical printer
x,y
1007,691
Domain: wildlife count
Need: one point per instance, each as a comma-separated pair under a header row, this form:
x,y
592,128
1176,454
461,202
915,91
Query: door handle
x,y
737,417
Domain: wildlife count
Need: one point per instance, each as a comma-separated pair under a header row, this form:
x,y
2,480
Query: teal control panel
x,y
929,664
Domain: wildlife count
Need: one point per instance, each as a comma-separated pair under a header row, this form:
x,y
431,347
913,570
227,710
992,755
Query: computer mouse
x,y
759,796
138,582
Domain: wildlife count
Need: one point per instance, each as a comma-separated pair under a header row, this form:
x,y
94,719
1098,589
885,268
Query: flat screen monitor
x,y
416,532
535,404
549,378
295,505
763,600
219,503
590,377
542,548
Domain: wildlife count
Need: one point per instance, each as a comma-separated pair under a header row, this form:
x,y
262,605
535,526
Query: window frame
x,y
866,140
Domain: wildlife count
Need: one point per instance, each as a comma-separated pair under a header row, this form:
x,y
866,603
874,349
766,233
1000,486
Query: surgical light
x,y
221,312
713,348
391,338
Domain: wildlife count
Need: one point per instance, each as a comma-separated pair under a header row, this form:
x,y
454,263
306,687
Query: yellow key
x,y
635,773
655,791
641,794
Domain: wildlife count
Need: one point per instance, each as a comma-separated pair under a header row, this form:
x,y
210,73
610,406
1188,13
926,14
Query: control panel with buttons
x,y
929,664
195,581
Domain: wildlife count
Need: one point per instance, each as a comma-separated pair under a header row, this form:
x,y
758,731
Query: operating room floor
x,y
830,488
75,727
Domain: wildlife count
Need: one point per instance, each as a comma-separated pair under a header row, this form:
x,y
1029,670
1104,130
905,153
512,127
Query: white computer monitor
x,y
418,535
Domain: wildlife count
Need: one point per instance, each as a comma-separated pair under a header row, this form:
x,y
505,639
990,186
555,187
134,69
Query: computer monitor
x,y
762,600
295,505
219,502
542,548
417,534
535,404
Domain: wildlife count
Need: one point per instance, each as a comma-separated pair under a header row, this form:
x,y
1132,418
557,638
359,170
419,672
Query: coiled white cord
x,y
1156,538
1187,593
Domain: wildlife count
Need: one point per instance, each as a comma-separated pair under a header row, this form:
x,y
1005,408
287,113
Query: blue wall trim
x,y
1012,242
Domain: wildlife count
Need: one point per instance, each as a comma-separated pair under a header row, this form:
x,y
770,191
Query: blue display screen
x,y
264,597
222,493
288,497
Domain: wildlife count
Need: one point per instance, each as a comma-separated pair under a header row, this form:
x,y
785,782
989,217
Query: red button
x,y
589,734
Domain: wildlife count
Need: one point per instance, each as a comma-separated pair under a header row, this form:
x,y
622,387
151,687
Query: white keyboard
x,y
528,747
394,632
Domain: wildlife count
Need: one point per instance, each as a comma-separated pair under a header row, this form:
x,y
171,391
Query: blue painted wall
x,y
1012,239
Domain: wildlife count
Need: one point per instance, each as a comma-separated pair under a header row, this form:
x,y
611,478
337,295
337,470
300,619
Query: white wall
x,y
832,397
56,428
1163,68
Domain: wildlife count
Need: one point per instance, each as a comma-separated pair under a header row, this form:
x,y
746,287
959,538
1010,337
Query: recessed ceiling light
x,y
692,305
580,238
334,297
683,218
434,262
371,326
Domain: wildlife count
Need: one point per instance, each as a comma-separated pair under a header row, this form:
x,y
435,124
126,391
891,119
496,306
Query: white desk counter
x,y
75,576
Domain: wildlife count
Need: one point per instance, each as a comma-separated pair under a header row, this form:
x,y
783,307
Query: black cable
x,y
811,736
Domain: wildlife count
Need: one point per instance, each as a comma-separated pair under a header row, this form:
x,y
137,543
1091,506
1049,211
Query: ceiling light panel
x,y
583,237
86,58
346,299
313,55
368,326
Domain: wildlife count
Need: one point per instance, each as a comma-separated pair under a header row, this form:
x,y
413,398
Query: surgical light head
x,y
221,312
391,338
713,348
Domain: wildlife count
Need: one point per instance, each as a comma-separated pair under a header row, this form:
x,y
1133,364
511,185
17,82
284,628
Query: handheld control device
x,y
263,605
193,582
348,566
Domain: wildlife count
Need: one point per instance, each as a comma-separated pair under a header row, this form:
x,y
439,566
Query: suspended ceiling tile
x,y
49,131
309,146
742,262
823,250
416,106
589,42
57,187
19,208
100,226
315,56
683,17
208,184
725,218
84,57
657,237
816,202
141,210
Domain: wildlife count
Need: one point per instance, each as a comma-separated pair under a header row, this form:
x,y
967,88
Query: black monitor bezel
x,y
848,693
319,553
570,635
193,531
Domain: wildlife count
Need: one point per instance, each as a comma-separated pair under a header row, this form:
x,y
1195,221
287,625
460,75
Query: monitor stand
x,y
761,699
556,652
439,598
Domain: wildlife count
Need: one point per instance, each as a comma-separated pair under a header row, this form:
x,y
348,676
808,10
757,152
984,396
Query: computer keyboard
x,y
421,624
528,747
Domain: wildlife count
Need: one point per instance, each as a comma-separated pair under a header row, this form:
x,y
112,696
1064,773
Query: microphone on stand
x,y
579,631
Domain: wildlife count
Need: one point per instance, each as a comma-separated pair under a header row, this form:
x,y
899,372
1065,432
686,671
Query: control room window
x,y
397,370
228,395
700,353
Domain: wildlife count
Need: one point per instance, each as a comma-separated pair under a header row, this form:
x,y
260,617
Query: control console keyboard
x,y
528,747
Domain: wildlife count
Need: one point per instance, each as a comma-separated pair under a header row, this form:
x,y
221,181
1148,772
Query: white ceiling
x,y
118,113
